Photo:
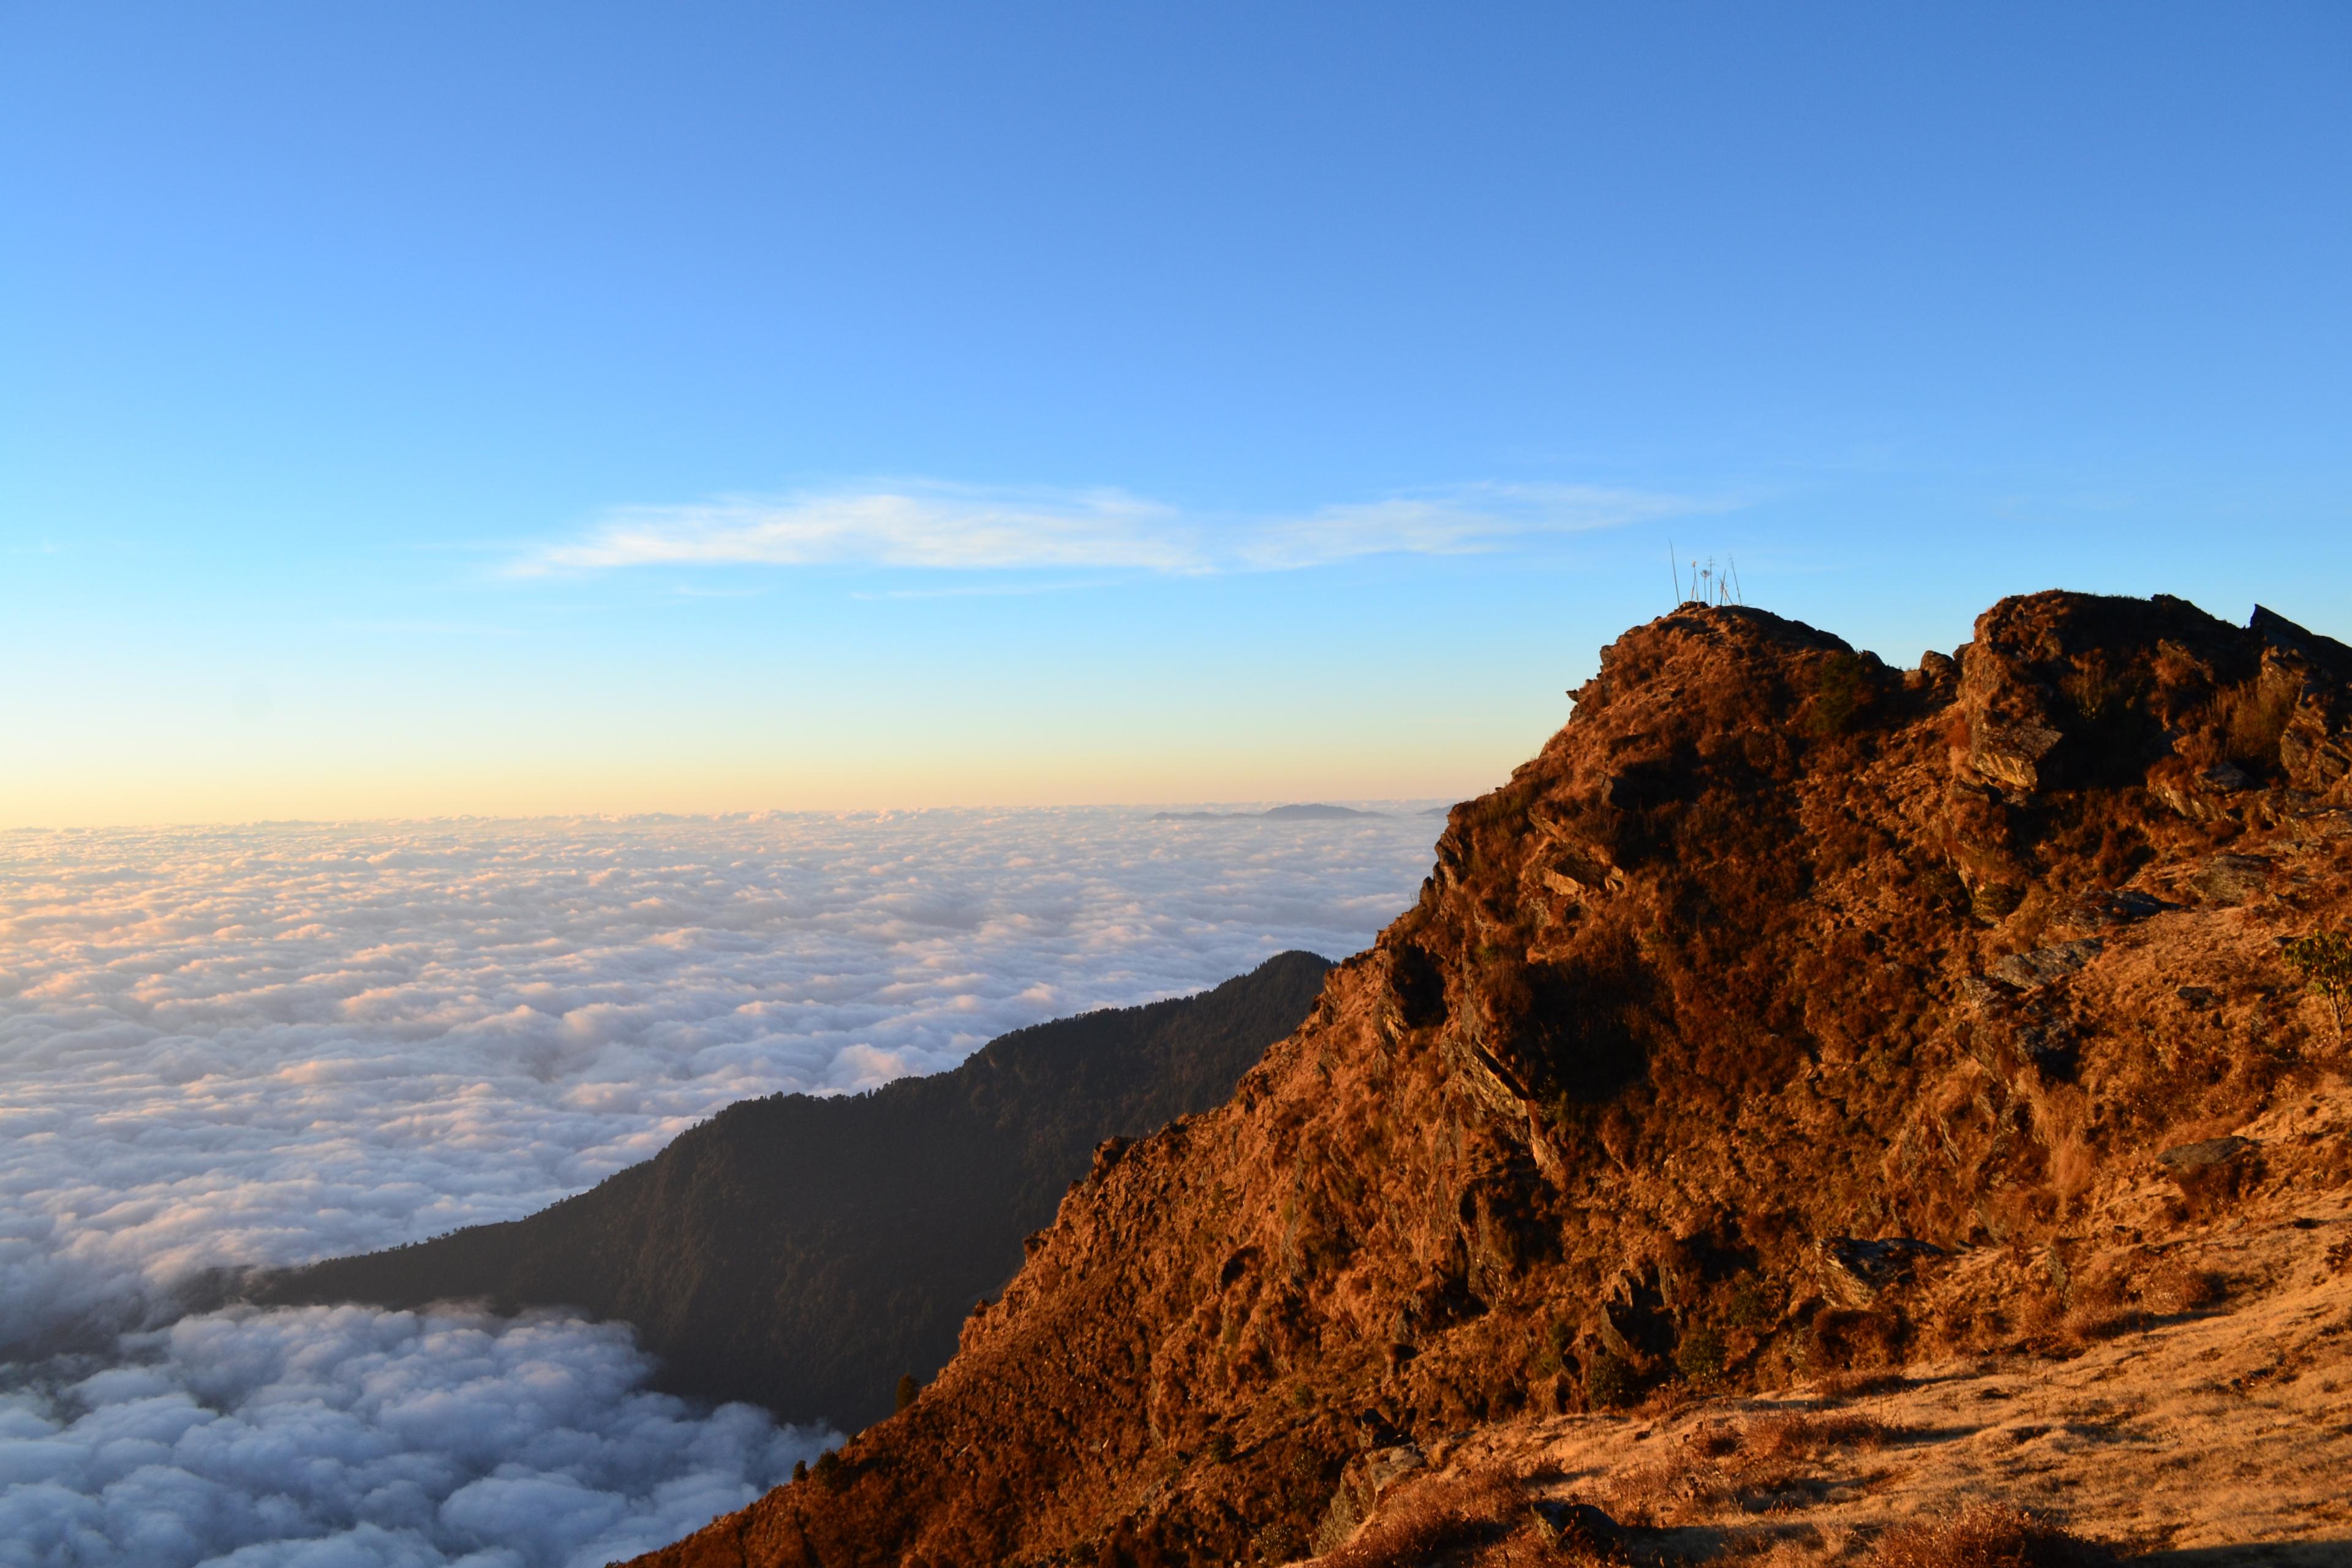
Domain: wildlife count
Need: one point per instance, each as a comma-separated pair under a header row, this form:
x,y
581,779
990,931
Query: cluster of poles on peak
x,y
1705,585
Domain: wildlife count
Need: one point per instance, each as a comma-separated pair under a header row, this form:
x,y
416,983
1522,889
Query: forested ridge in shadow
x,y
804,1253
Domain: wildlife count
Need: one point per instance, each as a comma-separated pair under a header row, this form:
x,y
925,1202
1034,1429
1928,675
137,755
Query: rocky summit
x,y
1812,1107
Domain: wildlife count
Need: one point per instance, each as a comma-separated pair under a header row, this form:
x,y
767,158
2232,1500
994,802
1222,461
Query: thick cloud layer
x,y
347,1435
272,1044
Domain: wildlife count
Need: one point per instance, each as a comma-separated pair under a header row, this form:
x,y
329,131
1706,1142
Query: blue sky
x,y
457,409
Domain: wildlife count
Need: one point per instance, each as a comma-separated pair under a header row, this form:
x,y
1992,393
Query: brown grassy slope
x,y
2215,1436
1771,948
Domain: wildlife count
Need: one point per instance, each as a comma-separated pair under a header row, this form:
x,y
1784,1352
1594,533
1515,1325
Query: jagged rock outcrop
x,y
1779,990
806,1253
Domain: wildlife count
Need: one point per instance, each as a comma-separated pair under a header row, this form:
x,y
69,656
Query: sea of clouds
x,y
266,1044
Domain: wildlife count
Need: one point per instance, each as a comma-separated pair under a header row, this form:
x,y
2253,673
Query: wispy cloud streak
x,y
960,528
1464,521
937,527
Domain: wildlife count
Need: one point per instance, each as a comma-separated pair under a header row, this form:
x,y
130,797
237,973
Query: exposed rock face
x,y
2202,1156
1685,1066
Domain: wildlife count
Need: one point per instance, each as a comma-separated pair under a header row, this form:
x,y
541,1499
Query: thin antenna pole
x,y
1674,567
1737,591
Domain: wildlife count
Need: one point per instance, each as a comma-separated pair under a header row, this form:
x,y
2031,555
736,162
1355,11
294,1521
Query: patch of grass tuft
x,y
1989,1535
2253,720
1805,1435
1427,1518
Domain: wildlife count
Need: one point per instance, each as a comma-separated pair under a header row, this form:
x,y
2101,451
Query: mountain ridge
x,y
1311,811
1698,1057
805,1252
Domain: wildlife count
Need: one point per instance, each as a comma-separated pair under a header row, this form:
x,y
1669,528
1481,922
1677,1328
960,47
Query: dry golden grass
x,y
1426,1518
2251,720
1677,1483
2192,1430
1835,1387
1989,1535
2175,1285
1722,1470
1807,1435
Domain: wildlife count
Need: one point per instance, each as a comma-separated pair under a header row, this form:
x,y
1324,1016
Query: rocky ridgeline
x,y
1789,1014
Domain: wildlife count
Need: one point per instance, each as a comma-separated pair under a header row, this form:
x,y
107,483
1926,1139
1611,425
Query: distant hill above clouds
x,y
804,1253
1309,813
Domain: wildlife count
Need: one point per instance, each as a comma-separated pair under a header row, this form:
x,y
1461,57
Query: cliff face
x,y
1779,991
806,1253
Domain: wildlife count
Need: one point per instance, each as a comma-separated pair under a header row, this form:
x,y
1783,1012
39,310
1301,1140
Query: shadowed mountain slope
x,y
1787,1013
804,1253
